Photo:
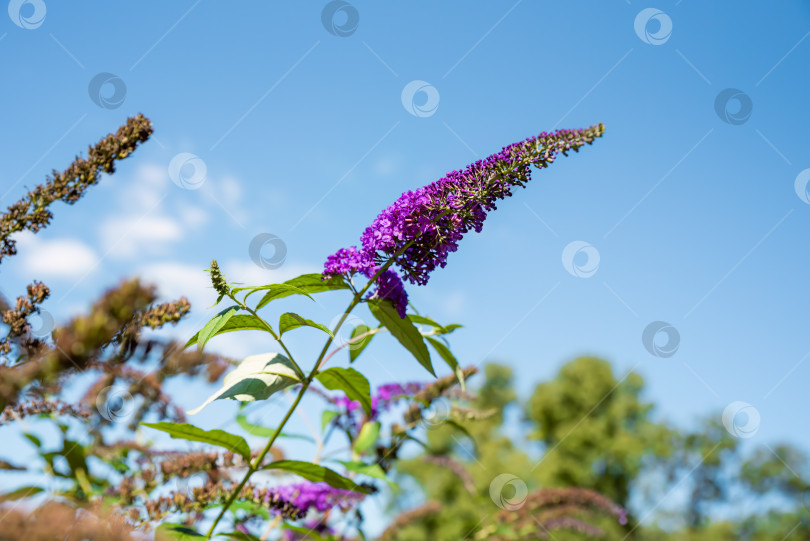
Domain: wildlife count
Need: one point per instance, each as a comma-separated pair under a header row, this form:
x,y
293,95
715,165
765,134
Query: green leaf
x,y
316,473
169,531
184,431
216,323
256,378
289,321
449,358
372,470
239,322
33,439
276,291
251,508
20,493
439,329
239,536
327,417
458,426
306,533
306,283
351,382
356,348
266,432
403,330
254,430
367,437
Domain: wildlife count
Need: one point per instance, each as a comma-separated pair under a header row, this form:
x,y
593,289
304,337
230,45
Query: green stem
x,y
277,338
252,468
306,381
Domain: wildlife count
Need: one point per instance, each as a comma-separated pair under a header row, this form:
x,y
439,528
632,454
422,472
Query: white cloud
x,y
175,279
193,217
137,235
55,258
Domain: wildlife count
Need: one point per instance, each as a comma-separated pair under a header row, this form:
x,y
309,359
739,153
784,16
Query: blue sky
x,y
697,220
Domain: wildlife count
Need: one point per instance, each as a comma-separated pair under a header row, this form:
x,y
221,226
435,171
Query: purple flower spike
x,y
423,227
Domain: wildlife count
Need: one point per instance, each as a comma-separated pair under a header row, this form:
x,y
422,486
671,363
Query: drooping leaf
x,y
367,437
272,287
449,358
316,473
20,493
184,431
251,508
307,534
327,417
438,328
307,283
216,323
170,532
266,432
256,378
372,470
289,321
239,536
356,348
351,382
403,330
237,322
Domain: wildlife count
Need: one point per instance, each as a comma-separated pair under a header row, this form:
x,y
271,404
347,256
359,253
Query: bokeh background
x,y
299,122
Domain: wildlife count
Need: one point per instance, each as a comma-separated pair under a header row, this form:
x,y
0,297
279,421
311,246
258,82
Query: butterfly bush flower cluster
x,y
386,396
424,226
318,496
